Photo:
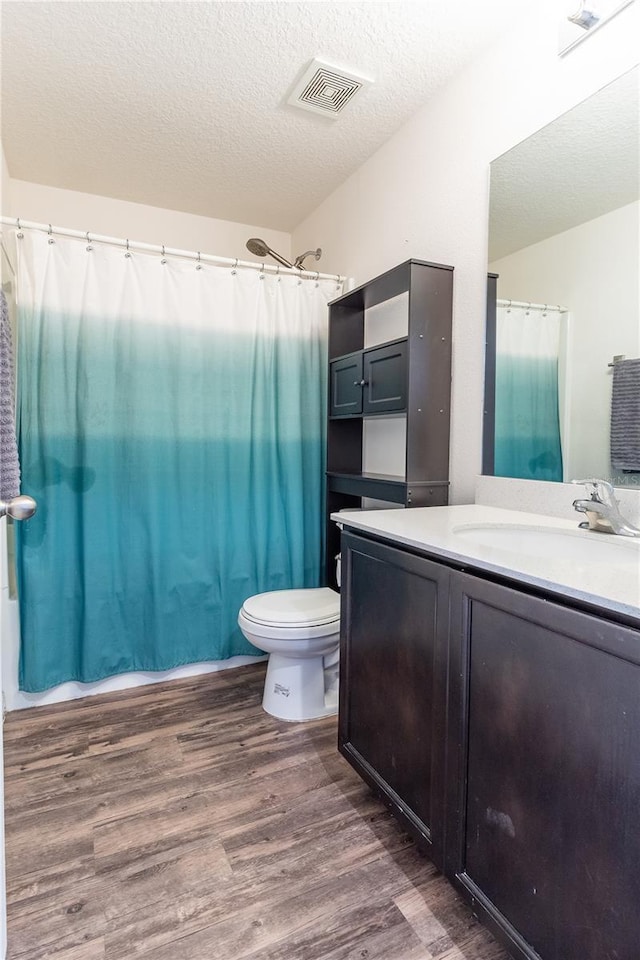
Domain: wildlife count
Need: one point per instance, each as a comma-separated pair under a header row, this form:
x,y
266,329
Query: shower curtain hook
x,y
198,264
262,272
19,234
278,274
89,247
235,268
544,310
528,309
163,259
317,278
50,233
127,254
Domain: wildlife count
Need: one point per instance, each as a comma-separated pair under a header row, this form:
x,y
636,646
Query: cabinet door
x,y
393,680
385,378
544,825
346,386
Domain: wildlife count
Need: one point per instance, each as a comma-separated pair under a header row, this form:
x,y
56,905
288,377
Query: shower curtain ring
x,y
262,272
127,254
89,247
50,233
198,264
19,234
317,278
163,259
235,268
279,278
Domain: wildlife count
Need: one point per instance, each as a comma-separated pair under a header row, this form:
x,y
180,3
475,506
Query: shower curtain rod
x,y
198,257
532,306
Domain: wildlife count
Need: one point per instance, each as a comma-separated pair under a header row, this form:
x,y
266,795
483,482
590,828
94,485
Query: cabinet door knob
x,y
360,383
19,508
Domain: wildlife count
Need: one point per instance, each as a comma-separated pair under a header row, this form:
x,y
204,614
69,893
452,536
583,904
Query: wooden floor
x,y
181,822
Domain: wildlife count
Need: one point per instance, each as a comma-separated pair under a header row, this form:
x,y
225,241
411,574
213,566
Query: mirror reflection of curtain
x,y
527,424
172,426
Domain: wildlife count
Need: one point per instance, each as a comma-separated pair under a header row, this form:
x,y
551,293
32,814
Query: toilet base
x,y
294,689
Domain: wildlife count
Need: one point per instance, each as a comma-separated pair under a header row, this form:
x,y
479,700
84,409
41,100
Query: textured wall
x,y
425,193
120,218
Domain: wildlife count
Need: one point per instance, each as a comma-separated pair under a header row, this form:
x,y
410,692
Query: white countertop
x,y
433,530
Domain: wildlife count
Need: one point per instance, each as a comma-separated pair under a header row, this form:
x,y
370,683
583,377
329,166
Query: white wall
x,y
4,182
425,192
593,270
137,221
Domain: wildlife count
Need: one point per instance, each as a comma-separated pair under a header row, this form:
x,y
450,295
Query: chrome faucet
x,y
601,509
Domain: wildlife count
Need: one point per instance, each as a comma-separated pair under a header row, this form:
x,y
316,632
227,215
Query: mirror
x,y
563,297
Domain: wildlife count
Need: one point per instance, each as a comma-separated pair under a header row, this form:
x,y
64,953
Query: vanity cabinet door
x,y
544,769
393,681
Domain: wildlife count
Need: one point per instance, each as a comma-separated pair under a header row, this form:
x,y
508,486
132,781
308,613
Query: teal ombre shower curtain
x,y
527,426
171,427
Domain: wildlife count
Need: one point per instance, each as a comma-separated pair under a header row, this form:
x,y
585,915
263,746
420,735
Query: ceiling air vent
x,y
326,89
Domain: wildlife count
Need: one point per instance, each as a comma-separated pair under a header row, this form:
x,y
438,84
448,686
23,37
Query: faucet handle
x,y
598,489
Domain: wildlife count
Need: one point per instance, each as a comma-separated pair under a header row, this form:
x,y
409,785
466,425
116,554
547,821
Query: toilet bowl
x,y
300,630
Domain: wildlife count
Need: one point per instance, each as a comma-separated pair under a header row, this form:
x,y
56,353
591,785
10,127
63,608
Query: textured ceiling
x,y
183,105
583,165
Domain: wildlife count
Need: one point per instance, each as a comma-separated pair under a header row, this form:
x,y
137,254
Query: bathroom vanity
x,y
490,694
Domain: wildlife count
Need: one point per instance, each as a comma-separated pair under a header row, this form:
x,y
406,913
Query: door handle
x,y
360,383
19,508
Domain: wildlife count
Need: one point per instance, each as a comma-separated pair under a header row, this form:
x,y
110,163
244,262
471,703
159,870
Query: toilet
x,y
300,630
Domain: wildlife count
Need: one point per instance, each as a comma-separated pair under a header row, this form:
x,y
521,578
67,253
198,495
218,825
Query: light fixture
x,y
582,18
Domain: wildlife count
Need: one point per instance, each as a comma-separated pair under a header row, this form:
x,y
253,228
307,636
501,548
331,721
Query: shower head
x,y
310,253
260,249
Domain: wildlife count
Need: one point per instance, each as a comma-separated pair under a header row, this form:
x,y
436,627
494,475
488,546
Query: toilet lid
x,y
294,607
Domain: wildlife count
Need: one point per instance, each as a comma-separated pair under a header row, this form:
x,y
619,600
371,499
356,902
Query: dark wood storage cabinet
x,y
408,376
370,382
545,735
503,729
345,385
392,698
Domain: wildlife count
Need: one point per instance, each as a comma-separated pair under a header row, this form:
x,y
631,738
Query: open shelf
x,y
381,486
407,377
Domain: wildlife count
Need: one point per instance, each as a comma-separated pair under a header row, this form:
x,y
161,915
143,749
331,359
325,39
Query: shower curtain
x,y
527,427
171,427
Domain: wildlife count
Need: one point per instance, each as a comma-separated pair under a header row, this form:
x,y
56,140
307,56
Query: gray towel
x,y
9,463
625,415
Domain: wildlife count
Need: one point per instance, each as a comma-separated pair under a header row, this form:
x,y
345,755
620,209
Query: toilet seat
x,y
293,609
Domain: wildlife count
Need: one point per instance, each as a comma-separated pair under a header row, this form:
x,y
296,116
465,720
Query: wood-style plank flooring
x,y
181,822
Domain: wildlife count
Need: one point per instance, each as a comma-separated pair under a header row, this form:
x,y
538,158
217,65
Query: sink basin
x,y
564,545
